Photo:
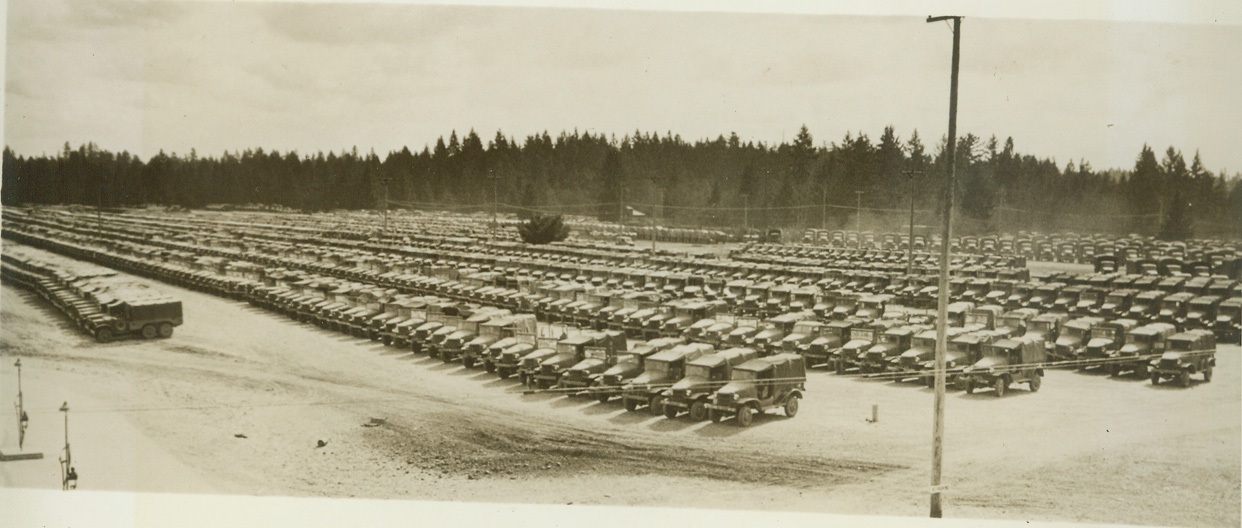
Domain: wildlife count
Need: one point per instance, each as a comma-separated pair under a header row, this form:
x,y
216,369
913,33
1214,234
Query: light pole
x,y
68,475
823,209
492,176
910,243
22,419
385,181
746,213
858,217
943,293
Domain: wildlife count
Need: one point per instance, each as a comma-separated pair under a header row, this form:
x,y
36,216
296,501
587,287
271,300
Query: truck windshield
x,y
656,368
566,348
1141,339
805,328
863,334
890,338
1115,299
1089,296
1231,311
1103,332
959,346
1180,345
977,319
745,375
701,371
1040,326
1010,322
925,342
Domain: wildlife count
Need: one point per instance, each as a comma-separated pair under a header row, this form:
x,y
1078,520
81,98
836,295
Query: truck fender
x,y
792,393
1039,372
749,402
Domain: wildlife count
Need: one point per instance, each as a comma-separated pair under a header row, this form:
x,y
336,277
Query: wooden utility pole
x,y
910,243
858,220
385,181
942,302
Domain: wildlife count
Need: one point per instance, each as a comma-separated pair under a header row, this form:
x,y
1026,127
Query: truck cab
x,y
1187,354
703,376
1146,306
1201,312
760,385
885,353
1004,363
1117,303
1141,344
1106,340
594,362
494,331
660,371
628,366
1174,309
983,317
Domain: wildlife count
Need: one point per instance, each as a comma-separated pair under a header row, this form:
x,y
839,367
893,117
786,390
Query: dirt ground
x,y
166,415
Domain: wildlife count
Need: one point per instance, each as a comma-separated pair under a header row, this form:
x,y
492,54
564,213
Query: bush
x,y
543,229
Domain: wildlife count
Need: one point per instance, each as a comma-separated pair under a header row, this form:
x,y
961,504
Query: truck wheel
x,y
523,379
698,411
670,412
149,332
714,415
745,415
603,398
467,362
166,330
969,386
489,367
387,341
104,335
1000,387
1036,382
1207,375
1155,378
1114,370
840,367
656,405
791,406
1141,370
931,382
631,405
503,373
1184,379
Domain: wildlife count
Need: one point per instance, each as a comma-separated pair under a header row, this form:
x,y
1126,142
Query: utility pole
x,y
746,212
385,181
22,419
942,302
68,475
823,208
910,243
858,220
495,200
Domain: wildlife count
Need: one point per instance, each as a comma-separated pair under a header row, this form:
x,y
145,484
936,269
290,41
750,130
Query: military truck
x,y
454,344
1201,312
862,336
1004,363
1188,353
883,355
570,351
1141,344
873,306
595,361
1013,323
703,377
1047,327
715,334
1146,306
628,366
1073,338
758,386
1105,343
1228,324
800,336
1117,303
150,317
660,371
983,317
495,331
508,361
832,336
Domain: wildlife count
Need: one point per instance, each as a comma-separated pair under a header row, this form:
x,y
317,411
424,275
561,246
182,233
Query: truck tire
x,y
1184,379
969,386
467,362
1000,387
714,415
1036,382
1155,378
698,411
489,367
656,405
670,412
603,398
791,406
745,415
166,330
149,332
1207,375
1114,370
104,335
631,405
503,373
840,367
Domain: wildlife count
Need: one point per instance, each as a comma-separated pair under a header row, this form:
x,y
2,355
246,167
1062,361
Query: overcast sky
x,y
215,76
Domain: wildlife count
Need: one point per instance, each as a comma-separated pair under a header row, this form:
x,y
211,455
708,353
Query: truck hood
x,y
883,348
1099,342
623,369
1068,341
693,384
736,390
918,353
1133,349
988,362
589,364
648,378
827,341
856,344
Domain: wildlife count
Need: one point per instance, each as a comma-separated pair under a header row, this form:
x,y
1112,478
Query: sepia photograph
x,y
622,262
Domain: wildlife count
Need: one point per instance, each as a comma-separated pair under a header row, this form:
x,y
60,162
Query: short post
x,y
68,475
22,419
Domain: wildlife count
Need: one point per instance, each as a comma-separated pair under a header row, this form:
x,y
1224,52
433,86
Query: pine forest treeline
x,y
720,182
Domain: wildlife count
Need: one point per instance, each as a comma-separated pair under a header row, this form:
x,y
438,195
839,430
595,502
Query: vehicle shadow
x,y
1174,385
989,393
511,382
598,408
567,401
724,429
665,425
633,417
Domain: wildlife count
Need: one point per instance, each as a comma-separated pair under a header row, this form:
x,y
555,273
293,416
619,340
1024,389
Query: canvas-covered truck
x,y
455,344
1228,324
703,377
1004,363
572,350
1187,354
883,355
150,317
595,361
494,331
660,371
1141,344
832,336
1202,312
1106,340
628,366
1073,338
760,385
